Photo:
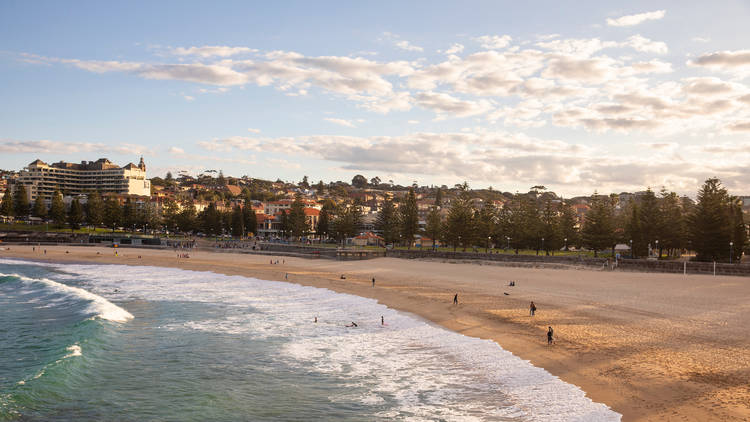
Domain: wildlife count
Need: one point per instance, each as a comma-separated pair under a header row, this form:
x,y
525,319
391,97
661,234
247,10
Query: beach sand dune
x,y
651,346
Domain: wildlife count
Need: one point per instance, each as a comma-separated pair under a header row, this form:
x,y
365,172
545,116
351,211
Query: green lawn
x,y
54,229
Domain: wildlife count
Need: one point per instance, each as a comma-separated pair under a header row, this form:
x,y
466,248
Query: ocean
x,y
125,343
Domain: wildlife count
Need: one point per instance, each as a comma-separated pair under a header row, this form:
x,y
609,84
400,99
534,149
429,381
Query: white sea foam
x,y
75,350
98,305
431,373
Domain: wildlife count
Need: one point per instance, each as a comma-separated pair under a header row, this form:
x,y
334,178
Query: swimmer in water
x,y
353,324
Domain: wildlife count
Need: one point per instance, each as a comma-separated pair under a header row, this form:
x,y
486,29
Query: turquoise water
x,y
107,342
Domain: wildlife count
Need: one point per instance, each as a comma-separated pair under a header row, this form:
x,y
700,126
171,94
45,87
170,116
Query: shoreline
x,y
671,354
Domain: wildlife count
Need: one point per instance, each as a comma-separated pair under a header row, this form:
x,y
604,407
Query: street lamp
x,y
566,244
632,255
657,250
731,244
545,251
488,243
507,237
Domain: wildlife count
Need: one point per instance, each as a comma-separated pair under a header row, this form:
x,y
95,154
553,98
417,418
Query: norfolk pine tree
x,y
387,222
6,206
238,222
434,225
21,201
57,209
598,230
409,217
112,216
94,209
250,220
710,223
40,208
75,215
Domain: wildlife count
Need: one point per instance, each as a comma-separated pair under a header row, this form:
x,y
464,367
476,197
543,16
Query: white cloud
x,y
494,42
176,150
445,104
584,47
340,122
406,45
413,122
724,60
646,45
211,51
252,130
188,97
701,39
631,20
455,48
57,147
515,159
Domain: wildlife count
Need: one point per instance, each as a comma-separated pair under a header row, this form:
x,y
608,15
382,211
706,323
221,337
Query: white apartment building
x,y
42,179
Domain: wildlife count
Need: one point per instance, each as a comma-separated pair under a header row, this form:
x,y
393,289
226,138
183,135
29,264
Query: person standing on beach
x,y
373,282
382,321
550,333
455,299
532,308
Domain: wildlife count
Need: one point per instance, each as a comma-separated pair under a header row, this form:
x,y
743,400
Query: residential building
x,y
42,179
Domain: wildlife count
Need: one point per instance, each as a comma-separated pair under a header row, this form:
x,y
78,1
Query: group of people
x,y
532,312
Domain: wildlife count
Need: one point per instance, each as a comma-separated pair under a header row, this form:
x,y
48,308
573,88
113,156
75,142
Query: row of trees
x,y
713,227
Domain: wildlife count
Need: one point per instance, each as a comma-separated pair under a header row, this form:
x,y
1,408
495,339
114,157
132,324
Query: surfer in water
x,y
353,324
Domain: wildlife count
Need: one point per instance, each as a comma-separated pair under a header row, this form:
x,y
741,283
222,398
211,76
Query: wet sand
x,y
651,346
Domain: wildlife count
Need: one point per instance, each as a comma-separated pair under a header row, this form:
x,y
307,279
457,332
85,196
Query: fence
x,y
510,258
684,267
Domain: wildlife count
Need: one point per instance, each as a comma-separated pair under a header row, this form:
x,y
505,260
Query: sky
x,y
578,96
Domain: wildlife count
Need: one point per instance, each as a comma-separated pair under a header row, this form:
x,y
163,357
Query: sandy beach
x,y
651,346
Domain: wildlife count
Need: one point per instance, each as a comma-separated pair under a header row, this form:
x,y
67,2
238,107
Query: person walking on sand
x,y
532,308
550,333
455,299
373,282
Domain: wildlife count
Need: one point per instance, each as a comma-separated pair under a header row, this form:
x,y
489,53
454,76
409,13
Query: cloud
x,y
455,48
701,39
176,150
188,97
413,122
340,122
631,20
582,48
740,127
512,159
594,70
708,86
724,60
646,45
494,42
406,45
445,104
212,51
253,130
57,147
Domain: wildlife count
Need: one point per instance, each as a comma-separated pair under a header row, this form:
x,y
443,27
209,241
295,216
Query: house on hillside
x,y
368,239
